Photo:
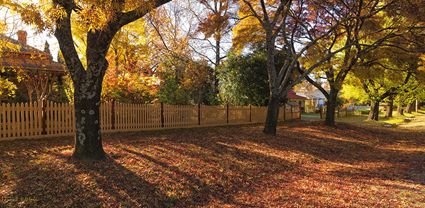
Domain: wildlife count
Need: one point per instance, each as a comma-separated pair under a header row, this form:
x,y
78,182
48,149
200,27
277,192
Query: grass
x,y
305,165
412,120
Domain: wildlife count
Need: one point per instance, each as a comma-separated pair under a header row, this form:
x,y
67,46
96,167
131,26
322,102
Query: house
x,y
33,71
315,99
294,99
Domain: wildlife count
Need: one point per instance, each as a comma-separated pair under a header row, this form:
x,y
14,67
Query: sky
x,y
34,38
38,40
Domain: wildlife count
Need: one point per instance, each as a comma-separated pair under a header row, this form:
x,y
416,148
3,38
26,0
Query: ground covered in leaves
x,y
305,165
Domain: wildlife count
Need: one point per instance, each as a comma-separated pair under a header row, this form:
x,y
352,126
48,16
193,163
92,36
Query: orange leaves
x,y
248,31
216,23
195,75
307,165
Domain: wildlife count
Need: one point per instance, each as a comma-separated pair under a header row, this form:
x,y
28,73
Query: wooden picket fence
x,y
339,113
32,120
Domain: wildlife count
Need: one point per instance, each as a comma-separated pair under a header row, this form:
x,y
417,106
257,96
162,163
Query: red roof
x,y
292,95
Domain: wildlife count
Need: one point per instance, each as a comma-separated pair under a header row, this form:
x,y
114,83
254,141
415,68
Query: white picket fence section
x,y
26,120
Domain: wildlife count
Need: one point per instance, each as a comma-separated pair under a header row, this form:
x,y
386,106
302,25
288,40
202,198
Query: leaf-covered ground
x,y
305,165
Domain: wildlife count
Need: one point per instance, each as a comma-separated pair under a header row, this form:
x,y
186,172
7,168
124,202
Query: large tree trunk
x,y
87,92
88,80
88,139
272,115
274,97
374,111
390,109
331,107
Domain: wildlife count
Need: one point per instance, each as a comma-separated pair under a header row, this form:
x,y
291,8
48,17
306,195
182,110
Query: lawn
x,y
408,120
305,165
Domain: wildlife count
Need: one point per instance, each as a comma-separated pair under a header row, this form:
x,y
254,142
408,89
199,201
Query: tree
x,y
297,26
183,80
384,74
7,87
243,80
214,24
101,21
130,77
372,24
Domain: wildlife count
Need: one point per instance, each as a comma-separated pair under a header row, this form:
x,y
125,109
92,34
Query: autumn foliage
x,y
308,165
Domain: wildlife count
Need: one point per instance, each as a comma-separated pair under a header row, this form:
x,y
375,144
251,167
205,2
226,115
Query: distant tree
x,y
213,27
295,26
243,80
351,91
372,24
384,75
130,76
184,82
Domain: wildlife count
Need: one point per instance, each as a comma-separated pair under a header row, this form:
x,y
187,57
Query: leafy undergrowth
x,y
305,165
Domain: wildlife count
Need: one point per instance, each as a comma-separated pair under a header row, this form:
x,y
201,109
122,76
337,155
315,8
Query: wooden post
x,y
199,114
299,113
292,112
113,114
284,112
250,113
43,117
346,112
321,112
337,113
227,112
162,114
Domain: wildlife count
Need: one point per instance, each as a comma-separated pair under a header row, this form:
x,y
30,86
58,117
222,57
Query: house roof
x,y
293,96
18,55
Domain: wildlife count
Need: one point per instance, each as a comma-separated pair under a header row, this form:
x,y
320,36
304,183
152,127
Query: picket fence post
x,y
227,112
199,113
113,114
162,114
250,113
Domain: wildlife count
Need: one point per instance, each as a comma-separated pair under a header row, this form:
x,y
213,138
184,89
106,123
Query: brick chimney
x,y
22,37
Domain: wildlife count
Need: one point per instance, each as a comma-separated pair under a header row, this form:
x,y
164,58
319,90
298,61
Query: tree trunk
x,y
87,92
416,106
88,140
274,97
331,107
409,108
272,115
217,64
400,110
390,109
374,111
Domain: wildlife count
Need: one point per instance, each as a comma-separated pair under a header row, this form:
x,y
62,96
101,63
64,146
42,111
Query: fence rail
x,y
30,120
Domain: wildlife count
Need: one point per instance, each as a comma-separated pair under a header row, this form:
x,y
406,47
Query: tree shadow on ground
x,y
51,179
200,167
201,192
345,144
